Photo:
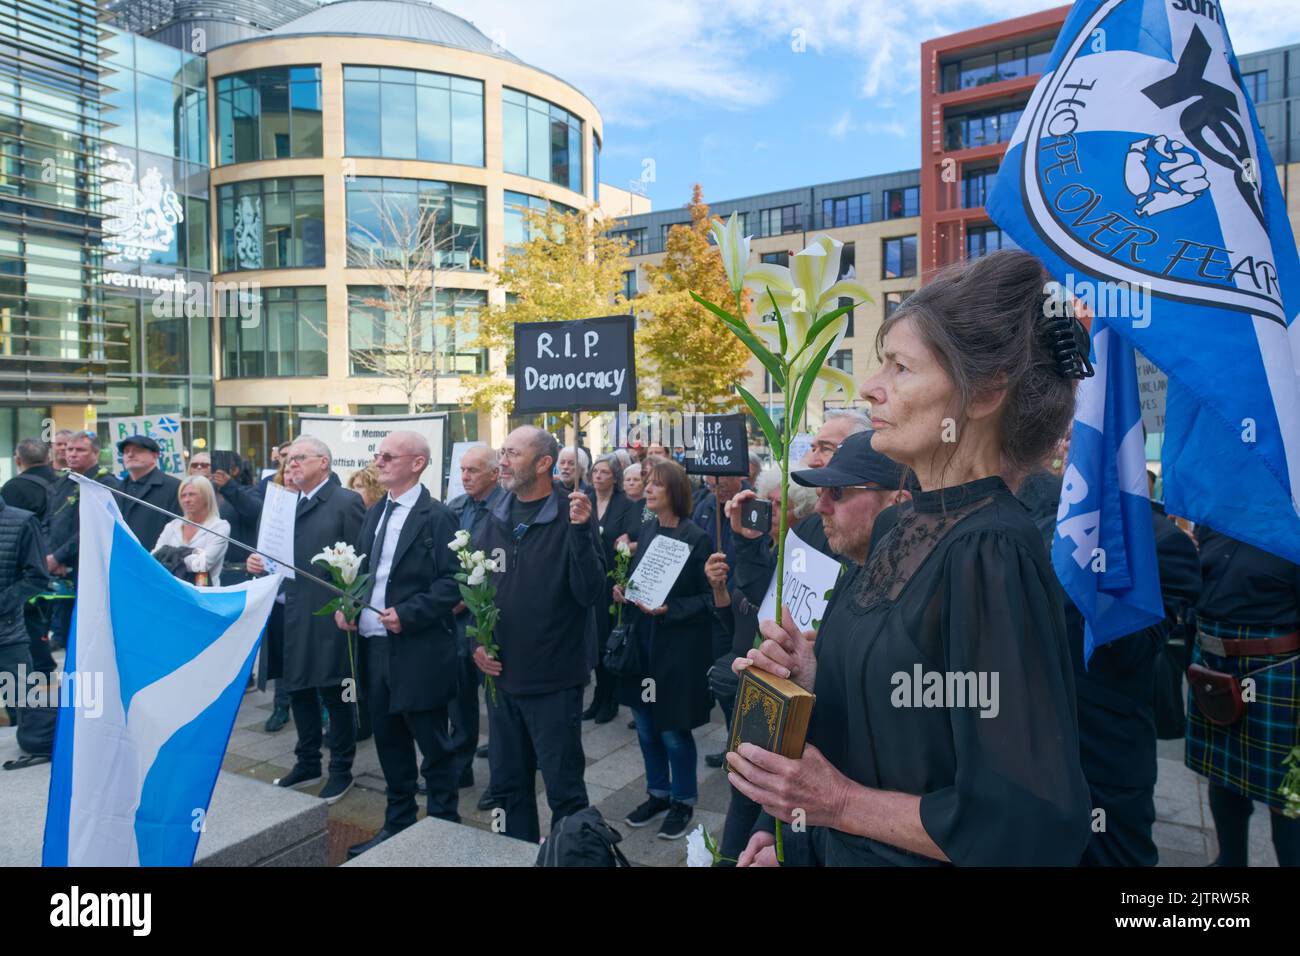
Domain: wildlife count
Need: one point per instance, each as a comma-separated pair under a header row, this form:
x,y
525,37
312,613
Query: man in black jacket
x,y
412,642
554,575
30,488
314,661
147,483
22,574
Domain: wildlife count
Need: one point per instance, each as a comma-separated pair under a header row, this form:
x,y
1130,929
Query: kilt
x,y
1246,757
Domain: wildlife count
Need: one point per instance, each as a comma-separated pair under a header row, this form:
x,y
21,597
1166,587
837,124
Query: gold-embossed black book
x,y
771,712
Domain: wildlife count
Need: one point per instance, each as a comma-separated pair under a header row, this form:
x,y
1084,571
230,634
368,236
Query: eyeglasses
x,y
200,466
385,457
299,459
837,493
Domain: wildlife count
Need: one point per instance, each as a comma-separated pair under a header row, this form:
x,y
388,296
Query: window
x,y
541,140
1256,85
629,284
901,203
776,258
981,240
842,359
636,236
778,221
899,257
848,265
846,211
893,300
1010,63
376,335
384,212
272,224
976,185
272,113
516,222
277,333
970,130
668,227
412,114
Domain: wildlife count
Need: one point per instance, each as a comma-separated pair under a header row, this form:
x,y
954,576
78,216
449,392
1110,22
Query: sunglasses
x,y
385,457
837,493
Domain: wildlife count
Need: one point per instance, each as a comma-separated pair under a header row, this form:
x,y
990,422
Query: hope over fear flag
x,y
1139,162
130,786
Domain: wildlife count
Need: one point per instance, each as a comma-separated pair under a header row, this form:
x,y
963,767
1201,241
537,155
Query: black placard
x,y
719,446
586,364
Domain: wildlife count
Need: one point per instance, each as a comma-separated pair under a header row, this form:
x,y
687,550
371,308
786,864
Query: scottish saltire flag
x,y
130,785
1139,164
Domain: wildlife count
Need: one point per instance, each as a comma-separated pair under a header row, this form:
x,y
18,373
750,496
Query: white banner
x,y
809,578
354,439
165,429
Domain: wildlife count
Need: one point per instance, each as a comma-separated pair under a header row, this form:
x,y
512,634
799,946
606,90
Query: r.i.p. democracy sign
x,y
587,364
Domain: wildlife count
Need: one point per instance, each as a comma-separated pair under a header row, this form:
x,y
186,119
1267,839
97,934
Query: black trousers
x,y
464,715
16,659
397,736
1126,839
742,814
37,615
342,734
535,732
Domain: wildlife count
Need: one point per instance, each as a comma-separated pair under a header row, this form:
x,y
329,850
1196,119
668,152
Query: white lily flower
x,y
734,249
697,850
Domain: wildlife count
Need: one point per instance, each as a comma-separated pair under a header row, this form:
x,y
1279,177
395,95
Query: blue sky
x,y
719,91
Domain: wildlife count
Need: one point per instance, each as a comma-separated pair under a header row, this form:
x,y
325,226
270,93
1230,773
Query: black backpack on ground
x,y
582,839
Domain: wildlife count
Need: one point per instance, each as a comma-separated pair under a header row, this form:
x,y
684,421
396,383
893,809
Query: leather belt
x,y
1249,647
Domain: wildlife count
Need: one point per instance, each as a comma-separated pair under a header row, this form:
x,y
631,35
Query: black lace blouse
x,y
943,671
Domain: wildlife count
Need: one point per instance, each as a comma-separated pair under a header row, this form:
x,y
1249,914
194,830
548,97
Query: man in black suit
x,y
412,640
30,488
146,482
316,658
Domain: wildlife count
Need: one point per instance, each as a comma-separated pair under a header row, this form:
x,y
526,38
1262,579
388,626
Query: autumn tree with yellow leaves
x,y
696,360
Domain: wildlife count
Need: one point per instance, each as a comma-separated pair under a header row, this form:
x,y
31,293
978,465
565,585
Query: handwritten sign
x,y
800,445
1153,390
275,530
164,429
719,446
657,571
587,364
809,577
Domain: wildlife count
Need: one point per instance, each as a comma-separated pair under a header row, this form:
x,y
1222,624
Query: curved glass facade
x,y
383,212
283,333
272,113
375,334
272,224
540,140
412,114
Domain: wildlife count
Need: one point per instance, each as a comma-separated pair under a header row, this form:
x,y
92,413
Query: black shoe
x,y
466,777
336,786
481,752
421,786
297,778
488,801
643,814
631,725
593,710
276,722
675,824
608,712
716,760
357,849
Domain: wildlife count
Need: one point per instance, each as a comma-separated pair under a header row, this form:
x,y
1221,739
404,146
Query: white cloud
x,y
640,59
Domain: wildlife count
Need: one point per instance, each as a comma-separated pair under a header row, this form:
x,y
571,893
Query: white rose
x,y
697,851
477,576
622,548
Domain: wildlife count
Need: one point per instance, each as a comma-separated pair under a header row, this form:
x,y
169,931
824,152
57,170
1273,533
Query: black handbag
x,y
622,658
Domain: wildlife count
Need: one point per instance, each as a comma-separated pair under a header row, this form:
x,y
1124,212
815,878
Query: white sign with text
x,y
657,571
809,578
275,530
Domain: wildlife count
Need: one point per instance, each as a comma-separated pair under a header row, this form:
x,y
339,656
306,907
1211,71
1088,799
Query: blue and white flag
x,y
1140,176
132,779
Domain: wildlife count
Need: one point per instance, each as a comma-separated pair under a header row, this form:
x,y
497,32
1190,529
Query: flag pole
x,y
81,479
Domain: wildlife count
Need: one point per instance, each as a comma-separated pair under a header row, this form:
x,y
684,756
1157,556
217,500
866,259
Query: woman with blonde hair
x,y
205,546
366,483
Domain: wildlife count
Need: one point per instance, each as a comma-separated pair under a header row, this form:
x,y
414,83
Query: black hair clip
x,y
1066,336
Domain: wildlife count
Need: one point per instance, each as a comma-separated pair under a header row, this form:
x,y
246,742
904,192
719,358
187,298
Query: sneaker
x,y
716,760
336,786
298,778
276,722
643,814
677,821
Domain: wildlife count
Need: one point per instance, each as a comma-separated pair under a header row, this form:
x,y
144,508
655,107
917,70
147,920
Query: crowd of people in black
x,y
944,554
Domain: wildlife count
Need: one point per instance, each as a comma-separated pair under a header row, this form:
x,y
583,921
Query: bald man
x,y
411,637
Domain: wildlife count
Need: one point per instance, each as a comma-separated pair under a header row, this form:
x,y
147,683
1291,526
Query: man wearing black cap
x,y
147,483
852,490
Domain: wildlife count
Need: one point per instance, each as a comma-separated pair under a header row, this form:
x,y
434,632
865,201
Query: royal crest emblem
x,y
141,217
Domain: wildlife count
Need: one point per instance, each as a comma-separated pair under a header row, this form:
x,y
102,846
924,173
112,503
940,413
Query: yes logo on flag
x,y
130,786
1139,167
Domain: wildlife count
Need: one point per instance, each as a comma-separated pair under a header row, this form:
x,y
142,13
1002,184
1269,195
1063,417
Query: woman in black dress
x,y
671,696
944,728
617,519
